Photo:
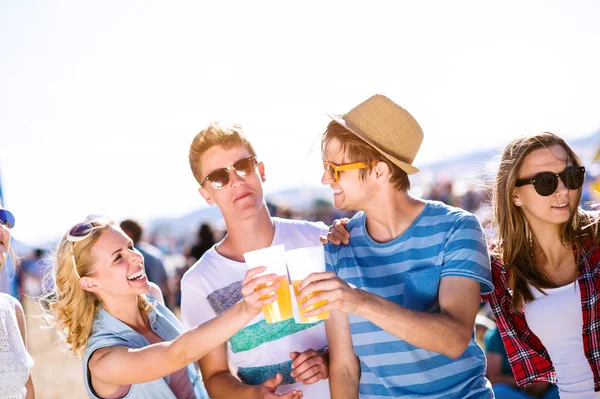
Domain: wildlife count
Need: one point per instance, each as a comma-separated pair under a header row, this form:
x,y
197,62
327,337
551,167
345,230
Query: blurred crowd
x,y
169,254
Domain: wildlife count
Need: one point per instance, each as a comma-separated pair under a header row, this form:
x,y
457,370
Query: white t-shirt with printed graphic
x,y
259,350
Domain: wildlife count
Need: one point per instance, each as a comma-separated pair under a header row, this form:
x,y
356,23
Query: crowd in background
x,y
171,254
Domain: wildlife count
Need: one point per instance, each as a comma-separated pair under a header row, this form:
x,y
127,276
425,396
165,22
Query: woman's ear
x,y
88,284
517,201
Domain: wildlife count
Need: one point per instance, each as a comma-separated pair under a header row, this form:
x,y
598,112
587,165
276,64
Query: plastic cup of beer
x,y
274,259
301,262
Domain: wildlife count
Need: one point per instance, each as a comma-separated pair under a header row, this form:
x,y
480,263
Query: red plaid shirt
x,y
528,358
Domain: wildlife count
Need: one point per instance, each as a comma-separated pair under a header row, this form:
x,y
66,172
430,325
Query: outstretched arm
x,y
118,365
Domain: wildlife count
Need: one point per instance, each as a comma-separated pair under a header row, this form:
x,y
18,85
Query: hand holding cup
x,y
259,291
272,259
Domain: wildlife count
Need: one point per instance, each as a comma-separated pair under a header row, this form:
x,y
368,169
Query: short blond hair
x,y
216,134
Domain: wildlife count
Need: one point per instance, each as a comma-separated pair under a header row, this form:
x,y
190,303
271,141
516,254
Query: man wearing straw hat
x,y
404,294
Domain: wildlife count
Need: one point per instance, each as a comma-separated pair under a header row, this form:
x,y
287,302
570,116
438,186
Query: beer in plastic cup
x,y
274,259
301,262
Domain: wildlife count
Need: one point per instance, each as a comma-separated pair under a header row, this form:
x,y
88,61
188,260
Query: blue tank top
x,y
109,331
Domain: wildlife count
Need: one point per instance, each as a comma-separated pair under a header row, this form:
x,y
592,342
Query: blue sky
x,y
99,101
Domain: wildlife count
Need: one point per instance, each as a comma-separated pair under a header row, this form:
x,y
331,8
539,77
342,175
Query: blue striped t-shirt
x,y
442,241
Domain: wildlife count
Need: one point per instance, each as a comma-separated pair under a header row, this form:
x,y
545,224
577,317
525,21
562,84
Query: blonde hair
x,y
216,134
69,308
359,150
515,239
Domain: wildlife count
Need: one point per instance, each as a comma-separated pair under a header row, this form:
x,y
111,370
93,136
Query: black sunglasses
x,y
7,218
545,183
220,177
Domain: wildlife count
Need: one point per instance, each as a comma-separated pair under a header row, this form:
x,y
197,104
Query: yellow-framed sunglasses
x,y
334,169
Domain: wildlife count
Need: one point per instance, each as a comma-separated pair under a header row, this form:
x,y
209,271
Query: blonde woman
x,y
15,362
110,315
546,271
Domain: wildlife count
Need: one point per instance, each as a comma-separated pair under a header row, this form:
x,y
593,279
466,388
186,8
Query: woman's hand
x,y
259,291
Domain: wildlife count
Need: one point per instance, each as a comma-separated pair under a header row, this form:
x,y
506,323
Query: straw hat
x,y
387,127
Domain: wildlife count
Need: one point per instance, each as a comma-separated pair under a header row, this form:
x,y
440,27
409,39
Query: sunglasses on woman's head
x,y
220,177
7,218
81,231
546,183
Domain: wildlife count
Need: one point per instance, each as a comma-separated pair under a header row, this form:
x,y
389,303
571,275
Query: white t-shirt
x,y
259,350
15,361
557,321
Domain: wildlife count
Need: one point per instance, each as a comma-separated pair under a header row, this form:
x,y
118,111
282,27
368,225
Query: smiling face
x,y
349,192
5,235
555,209
118,268
240,198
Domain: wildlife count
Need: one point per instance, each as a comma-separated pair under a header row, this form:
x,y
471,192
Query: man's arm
x,y
494,372
218,379
447,332
221,384
344,367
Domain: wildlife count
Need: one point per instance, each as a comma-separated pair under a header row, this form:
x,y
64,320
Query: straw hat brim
x,y
408,168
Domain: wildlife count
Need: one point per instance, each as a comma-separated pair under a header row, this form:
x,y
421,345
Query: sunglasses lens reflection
x,y
574,177
219,178
81,229
545,184
244,167
7,218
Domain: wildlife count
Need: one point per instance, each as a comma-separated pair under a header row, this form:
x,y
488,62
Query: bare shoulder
x,y
101,353
100,359
156,292
14,304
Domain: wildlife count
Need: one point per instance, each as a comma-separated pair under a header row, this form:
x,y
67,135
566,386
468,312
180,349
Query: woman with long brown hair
x,y
110,315
546,267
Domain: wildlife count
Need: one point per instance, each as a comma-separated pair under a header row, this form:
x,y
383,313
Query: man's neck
x,y
244,235
391,213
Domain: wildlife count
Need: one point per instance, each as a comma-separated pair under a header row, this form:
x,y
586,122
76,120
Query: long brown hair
x,y
515,239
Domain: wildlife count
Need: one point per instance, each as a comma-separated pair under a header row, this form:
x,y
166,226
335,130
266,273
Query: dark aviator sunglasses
x,y
220,177
546,183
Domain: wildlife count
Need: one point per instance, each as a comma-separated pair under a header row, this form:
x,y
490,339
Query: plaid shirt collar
x,y
528,358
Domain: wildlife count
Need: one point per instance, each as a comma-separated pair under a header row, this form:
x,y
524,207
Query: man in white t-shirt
x,y
279,360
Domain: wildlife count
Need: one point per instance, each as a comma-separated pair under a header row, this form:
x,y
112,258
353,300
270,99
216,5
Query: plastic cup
x,y
274,259
301,262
